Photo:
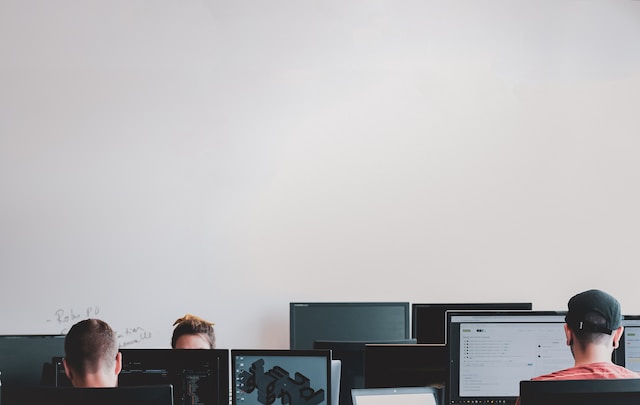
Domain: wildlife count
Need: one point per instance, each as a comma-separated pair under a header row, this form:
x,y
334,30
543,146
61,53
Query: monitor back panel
x,y
141,395
429,321
581,392
406,365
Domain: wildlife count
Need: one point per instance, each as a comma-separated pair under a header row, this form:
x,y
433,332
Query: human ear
x,y
617,335
118,363
67,369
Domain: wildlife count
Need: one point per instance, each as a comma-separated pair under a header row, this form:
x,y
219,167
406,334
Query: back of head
x,y
593,315
193,325
90,345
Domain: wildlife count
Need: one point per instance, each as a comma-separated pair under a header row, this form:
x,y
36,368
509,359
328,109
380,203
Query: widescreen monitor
x,y
628,353
429,321
27,360
292,377
151,395
352,356
491,352
198,376
348,321
581,392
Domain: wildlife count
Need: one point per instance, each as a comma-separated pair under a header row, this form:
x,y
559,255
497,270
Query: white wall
x,y
226,158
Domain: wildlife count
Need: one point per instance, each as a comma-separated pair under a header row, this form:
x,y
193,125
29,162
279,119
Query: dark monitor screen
x,y
491,352
429,321
152,395
27,360
581,392
198,376
628,353
415,365
352,356
293,377
348,321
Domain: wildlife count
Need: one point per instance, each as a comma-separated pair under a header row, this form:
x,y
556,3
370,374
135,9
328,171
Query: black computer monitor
x,y
628,353
429,321
27,360
352,356
198,376
293,377
414,365
141,395
491,352
581,392
347,321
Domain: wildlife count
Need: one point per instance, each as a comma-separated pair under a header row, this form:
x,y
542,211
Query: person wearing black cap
x,y
593,330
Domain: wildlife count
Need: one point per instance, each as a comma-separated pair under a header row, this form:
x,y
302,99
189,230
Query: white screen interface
x,y
632,344
496,354
404,399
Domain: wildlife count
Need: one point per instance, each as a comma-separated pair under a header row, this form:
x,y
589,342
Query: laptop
x,y
395,396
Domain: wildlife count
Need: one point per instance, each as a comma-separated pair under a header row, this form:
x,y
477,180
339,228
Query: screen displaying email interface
x,y
490,354
630,344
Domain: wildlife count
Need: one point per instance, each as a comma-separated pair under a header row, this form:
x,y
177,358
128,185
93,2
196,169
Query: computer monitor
x,y
348,321
581,392
199,376
141,395
628,353
27,360
491,352
415,365
352,356
429,321
293,377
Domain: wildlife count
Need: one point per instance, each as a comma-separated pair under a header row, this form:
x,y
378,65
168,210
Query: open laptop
x,y
395,396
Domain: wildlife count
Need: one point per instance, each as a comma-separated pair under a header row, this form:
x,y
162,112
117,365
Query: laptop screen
x,y
491,352
395,396
294,377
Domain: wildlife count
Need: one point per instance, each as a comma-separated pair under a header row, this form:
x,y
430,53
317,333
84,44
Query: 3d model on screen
x,y
276,383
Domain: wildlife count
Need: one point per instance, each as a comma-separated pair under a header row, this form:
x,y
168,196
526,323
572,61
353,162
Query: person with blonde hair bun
x,y
193,332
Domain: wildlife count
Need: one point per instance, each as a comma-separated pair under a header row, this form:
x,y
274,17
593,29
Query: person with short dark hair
x,y
193,332
91,356
593,328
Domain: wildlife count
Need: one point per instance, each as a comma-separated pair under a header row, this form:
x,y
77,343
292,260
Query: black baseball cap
x,y
594,301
